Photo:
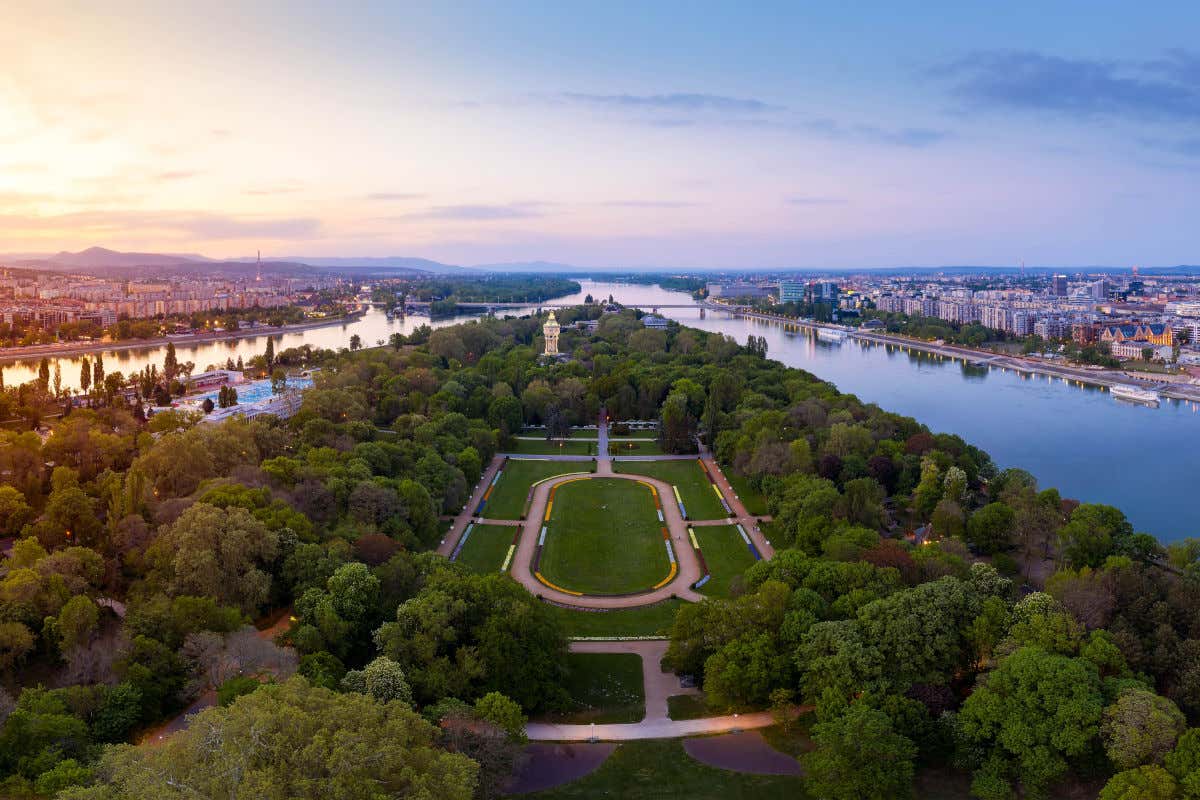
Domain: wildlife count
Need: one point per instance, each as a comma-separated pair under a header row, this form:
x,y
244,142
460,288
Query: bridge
x,y
575,305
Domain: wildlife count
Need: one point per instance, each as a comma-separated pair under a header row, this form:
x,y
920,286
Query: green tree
x,y
170,365
1093,533
990,528
466,635
1034,711
16,641
77,623
291,740
859,756
382,679
14,511
504,713
1184,763
1142,783
218,553
85,374
1140,728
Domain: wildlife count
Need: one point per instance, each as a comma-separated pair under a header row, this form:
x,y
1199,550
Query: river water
x,y
1079,439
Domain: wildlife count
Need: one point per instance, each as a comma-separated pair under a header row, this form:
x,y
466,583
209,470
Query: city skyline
x,y
704,137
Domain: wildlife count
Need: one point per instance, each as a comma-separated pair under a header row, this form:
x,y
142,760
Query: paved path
x,y
689,565
659,685
546,457
748,521
464,517
656,724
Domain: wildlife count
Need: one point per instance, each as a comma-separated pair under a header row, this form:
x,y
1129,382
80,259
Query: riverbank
x,y
11,355
1105,378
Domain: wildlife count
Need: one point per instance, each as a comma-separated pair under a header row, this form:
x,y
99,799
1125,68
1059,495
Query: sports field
x,y
604,537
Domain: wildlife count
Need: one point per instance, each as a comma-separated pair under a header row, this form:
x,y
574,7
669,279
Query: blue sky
x,y
698,134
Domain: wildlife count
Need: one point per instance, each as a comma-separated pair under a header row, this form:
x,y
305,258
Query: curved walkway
x,y
690,570
685,556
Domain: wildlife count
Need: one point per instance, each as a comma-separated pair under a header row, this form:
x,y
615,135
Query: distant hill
x,y
99,257
382,264
104,260
531,266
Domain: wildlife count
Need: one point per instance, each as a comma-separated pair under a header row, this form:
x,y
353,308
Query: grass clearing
x,y
584,433
604,537
634,447
689,706
655,620
658,769
605,688
726,555
554,447
508,498
751,498
486,547
698,497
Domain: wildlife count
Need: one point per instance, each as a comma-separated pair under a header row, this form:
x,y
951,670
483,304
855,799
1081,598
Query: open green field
x,y
726,555
553,447
589,433
693,484
634,447
751,498
659,768
604,538
486,547
689,706
508,498
604,688
644,621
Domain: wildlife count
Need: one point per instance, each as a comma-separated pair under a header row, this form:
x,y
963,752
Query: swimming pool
x,y
251,392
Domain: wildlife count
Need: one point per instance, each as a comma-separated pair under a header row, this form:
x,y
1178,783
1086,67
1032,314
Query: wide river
x,y
1144,460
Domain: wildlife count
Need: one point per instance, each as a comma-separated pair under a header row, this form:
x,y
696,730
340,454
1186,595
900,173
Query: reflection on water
x,y
1070,436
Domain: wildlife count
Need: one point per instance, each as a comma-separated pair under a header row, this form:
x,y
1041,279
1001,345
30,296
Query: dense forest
x,y
931,609
445,293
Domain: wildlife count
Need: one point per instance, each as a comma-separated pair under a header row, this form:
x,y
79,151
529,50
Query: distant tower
x,y
550,331
1135,274
258,271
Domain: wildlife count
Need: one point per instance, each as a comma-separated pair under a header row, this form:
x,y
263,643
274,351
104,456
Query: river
x,y
1078,439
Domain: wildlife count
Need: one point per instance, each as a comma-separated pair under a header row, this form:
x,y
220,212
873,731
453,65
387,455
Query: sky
x,y
705,135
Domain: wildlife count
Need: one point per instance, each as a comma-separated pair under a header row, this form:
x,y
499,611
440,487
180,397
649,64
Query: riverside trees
x,y
194,529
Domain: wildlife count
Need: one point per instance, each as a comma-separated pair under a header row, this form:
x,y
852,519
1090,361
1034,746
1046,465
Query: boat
x,y
1134,394
831,335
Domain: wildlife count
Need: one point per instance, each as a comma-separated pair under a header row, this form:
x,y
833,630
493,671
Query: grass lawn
x,y
641,447
726,555
645,621
754,502
659,768
589,433
794,741
689,706
485,549
698,497
604,538
604,688
508,498
542,447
